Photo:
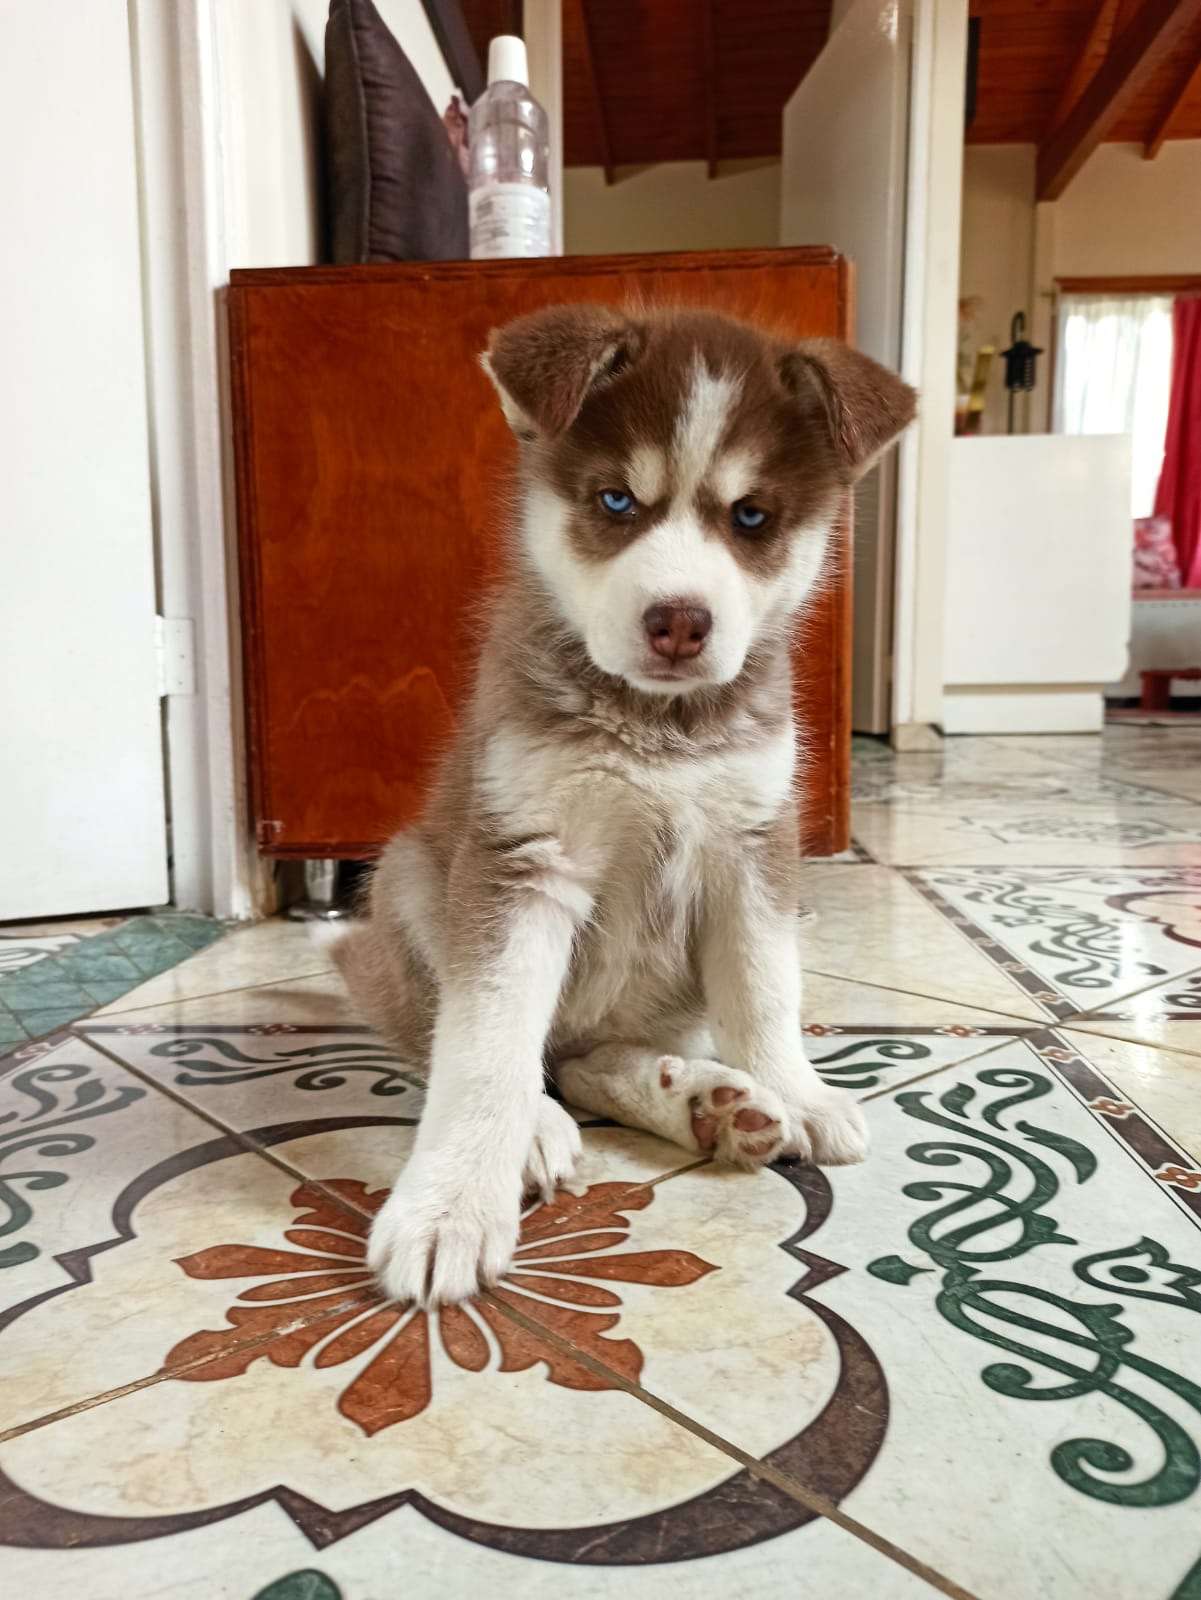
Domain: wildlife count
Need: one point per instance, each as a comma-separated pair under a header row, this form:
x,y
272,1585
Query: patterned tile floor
x,y
971,1367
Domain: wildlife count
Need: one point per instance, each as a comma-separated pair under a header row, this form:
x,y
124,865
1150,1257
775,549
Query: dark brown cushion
x,y
396,191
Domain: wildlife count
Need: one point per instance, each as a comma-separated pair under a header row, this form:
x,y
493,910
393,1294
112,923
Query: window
x,y
1113,374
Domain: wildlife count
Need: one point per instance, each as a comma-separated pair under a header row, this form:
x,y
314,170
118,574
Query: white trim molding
x,y
929,336
185,261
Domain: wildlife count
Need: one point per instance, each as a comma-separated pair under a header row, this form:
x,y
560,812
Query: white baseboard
x,y
1030,708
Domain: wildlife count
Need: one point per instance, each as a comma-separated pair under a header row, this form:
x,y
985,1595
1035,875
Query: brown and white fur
x,y
605,878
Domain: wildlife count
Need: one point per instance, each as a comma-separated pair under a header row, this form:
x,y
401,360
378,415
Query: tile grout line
x,y
1096,1031
920,994
164,1374
213,1121
816,1503
62,961
1133,994
934,898
579,1222
948,1066
340,1201
103,1013
758,1469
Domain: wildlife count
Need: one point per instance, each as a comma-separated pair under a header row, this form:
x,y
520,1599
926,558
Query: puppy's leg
x,y
451,1222
750,959
702,1105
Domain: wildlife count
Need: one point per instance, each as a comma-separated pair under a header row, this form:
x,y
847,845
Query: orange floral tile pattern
x,y
319,1299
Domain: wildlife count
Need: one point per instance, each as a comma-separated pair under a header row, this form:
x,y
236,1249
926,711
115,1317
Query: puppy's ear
x,y
545,364
864,406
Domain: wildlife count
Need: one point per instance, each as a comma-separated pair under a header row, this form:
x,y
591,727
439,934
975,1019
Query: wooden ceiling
x,y
675,80
1035,59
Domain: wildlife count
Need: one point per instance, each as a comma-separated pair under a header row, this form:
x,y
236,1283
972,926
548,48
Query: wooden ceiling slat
x,y
709,52
602,110
1189,85
1094,51
1142,44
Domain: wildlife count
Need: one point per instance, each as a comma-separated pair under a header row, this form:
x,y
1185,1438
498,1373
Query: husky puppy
x,y
604,882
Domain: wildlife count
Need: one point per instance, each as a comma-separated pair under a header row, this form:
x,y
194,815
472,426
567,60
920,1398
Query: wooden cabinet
x,y
374,493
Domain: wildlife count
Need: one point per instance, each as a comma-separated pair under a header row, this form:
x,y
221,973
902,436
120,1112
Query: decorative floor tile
x,y
262,1554
1029,1287
1167,1014
977,1354
266,1083
837,1328
21,950
1006,1298
284,1382
1075,939
1052,835
1165,1083
1005,791
48,980
1167,759
78,1133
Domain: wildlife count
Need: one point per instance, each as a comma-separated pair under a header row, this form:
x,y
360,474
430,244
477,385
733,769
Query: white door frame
x,y
929,338
186,260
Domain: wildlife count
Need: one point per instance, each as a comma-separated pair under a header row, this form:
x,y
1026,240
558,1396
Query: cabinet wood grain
x,y
374,488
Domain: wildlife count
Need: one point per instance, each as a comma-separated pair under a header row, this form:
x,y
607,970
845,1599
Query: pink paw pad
x,y
704,1131
726,1095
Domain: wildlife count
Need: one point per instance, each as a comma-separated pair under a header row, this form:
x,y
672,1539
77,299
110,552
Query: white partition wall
x,y
843,177
1039,569
81,808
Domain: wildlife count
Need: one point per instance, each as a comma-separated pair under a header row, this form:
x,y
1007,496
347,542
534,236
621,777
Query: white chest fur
x,y
611,804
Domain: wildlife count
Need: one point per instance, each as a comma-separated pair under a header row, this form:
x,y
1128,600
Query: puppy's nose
x,y
677,631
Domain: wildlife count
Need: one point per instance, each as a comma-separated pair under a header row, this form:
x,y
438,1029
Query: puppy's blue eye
x,y
617,502
748,516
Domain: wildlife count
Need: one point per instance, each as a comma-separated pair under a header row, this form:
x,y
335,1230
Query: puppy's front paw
x,y
829,1127
554,1151
436,1241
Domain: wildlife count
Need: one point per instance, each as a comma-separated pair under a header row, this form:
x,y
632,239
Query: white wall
x,y
1123,215
997,252
672,206
843,175
1120,216
272,60
934,193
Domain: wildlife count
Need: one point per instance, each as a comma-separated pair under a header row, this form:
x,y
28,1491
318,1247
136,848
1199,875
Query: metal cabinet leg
x,y
320,903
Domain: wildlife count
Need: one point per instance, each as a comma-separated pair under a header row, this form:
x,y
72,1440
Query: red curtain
x,y
1179,494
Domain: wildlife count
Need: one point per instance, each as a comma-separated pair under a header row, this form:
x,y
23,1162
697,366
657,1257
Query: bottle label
x,y
509,219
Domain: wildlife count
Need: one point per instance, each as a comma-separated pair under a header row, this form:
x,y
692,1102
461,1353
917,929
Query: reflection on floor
x,y
972,1366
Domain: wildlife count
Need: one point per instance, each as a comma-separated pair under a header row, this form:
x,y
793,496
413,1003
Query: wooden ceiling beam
x,y
1190,81
1140,47
1092,53
604,131
709,54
